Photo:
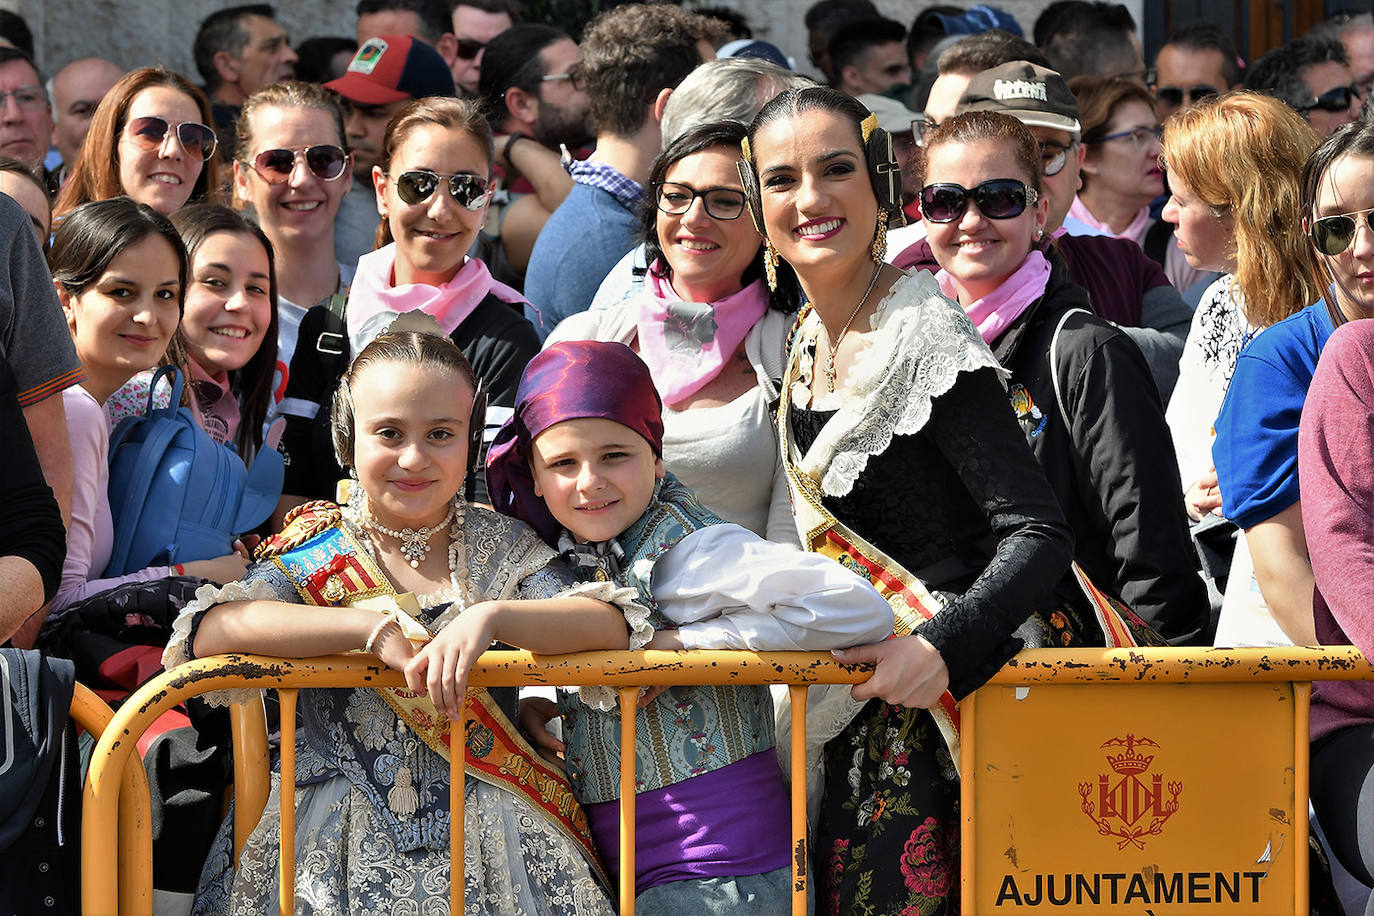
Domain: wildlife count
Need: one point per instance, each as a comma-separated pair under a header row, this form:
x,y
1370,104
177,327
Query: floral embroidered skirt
x,y
889,830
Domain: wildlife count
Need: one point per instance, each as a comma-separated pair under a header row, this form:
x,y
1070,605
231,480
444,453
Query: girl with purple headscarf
x,y
581,462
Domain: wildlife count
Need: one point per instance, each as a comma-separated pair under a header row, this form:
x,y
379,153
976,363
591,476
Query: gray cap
x,y
1033,95
893,116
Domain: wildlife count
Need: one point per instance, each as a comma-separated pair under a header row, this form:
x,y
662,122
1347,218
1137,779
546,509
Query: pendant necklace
x,y
830,357
414,542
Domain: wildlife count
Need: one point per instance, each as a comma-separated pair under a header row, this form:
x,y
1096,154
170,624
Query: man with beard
x,y
388,73
532,94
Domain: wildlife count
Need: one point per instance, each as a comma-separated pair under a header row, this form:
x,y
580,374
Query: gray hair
x,y
728,89
1337,26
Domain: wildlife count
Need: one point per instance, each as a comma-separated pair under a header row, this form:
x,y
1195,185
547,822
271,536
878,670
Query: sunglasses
x,y
676,199
419,185
1332,235
150,132
1054,156
1000,198
325,162
468,48
1172,96
1338,98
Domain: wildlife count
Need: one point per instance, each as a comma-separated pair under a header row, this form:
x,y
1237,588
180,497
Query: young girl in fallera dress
x,y
372,817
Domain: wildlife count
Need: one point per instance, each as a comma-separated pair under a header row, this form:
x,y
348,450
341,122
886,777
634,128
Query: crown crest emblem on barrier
x,y
1134,807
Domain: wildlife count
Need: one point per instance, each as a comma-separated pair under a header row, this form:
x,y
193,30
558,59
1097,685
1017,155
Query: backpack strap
x,y
1054,367
332,344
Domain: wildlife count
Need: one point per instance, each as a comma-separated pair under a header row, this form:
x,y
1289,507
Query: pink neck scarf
x,y
375,300
1135,231
687,344
995,312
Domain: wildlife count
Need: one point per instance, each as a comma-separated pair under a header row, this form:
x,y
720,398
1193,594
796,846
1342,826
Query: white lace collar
x,y
917,344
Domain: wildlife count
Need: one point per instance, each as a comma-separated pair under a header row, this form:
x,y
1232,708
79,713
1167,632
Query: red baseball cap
x,y
391,68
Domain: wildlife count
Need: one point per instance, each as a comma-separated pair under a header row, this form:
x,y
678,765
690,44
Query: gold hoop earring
x,y
880,238
770,265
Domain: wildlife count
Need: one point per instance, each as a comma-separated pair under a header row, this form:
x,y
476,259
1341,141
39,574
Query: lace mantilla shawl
x,y
918,342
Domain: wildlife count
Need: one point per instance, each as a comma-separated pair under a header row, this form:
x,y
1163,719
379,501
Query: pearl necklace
x,y
414,543
830,357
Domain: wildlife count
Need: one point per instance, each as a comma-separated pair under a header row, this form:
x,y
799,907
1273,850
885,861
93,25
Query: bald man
x,y
75,92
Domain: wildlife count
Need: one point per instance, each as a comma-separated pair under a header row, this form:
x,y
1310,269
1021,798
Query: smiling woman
x,y
431,182
899,448
150,140
710,322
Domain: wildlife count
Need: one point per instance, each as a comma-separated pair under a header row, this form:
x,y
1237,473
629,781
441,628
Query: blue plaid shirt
x,y
603,177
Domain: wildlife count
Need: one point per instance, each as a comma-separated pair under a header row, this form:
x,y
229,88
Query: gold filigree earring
x,y
770,265
880,238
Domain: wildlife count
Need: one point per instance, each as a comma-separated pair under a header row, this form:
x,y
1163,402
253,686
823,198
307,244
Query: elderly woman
x,y
1121,173
150,139
710,329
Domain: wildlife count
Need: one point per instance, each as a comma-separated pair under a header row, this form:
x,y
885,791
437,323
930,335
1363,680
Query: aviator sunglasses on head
x,y
1000,198
419,185
325,162
1332,235
196,138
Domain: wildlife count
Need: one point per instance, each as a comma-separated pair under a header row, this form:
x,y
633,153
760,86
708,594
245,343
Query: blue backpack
x,y
176,494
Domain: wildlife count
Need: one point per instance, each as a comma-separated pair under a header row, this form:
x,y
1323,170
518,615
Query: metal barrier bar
x,y
135,810
457,813
252,778
101,887
798,696
629,698
286,881
631,669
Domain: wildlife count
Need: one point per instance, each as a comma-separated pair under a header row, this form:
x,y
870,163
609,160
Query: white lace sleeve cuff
x,y
601,696
178,649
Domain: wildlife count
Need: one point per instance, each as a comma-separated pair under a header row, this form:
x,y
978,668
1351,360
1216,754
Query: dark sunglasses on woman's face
x,y
419,185
196,138
1172,96
1334,99
676,199
468,48
325,162
1332,235
1000,198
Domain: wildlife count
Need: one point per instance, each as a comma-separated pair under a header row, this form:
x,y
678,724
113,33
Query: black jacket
x,y
1108,455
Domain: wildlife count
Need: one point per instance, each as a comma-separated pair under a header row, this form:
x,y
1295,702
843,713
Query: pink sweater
x,y
1336,474
90,539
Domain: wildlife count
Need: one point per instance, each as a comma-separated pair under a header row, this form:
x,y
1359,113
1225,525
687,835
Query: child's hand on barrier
x,y
441,668
910,671
533,717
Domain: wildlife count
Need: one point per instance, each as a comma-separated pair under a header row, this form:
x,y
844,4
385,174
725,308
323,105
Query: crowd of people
x,y
970,343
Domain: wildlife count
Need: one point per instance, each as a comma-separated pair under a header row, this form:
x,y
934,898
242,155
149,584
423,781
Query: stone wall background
x,y
135,33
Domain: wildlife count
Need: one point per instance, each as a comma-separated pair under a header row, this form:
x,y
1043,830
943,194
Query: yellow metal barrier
x,y
102,826
1027,737
135,809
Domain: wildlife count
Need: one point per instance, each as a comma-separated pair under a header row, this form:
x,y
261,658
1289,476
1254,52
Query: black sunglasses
x,y
676,199
468,48
1337,98
419,185
1172,96
325,162
1054,156
1332,235
1000,198
196,138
